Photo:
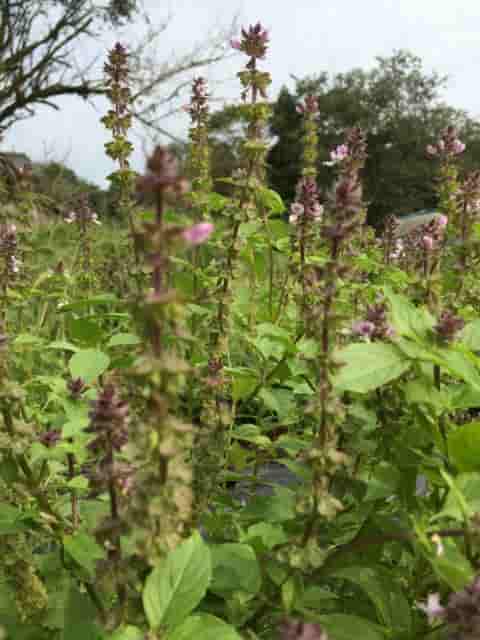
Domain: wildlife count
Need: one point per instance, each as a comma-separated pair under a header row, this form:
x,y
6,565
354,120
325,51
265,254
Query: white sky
x,y
307,37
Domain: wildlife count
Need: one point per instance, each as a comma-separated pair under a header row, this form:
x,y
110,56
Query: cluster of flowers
x,y
394,247
375,326
469,193
198,107
433,233
338,155
462,613
8,248
352,153
447,147
254,41
428,237
310,105
347,200
306,205
83,215
448,326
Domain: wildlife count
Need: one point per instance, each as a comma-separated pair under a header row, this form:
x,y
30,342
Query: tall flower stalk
x,y
119,120
161,501
254,44
341,222
446,150
9,266
306,208
108,425
469,208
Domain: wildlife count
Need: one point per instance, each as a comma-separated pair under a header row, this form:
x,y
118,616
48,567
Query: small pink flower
x,y
458,147
427,242
442,221
432,608
316,211
198,234
236,44
296,209
339,154
363,328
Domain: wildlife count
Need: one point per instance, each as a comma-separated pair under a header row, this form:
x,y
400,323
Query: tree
x,y
39,40
398,105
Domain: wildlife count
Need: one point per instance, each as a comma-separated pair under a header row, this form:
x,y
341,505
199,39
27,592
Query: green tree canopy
x,y
398,104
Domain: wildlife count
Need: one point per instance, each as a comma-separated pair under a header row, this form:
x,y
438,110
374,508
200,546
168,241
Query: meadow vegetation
x,y
158,364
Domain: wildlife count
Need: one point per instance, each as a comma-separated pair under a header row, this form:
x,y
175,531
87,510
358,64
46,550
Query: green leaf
x,y
85,331
27,339
178,584
244,381
80,616
216,202
468,484
123,339
383,482
84,550
203,627
460,365
265,535
10,519
271,200
340,626
281,401
452,567
422,391
464,447
407,319
251,433
235,568
88,364
277,508
470,335
368,366
392,607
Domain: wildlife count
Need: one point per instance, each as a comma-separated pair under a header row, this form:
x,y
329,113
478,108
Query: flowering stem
x,y
73,494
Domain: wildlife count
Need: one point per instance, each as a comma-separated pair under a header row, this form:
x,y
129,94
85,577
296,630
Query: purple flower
x,y
432,607
448,146
442,221
296,209
198,234
340,153
309,106
253,42
363,328
427,242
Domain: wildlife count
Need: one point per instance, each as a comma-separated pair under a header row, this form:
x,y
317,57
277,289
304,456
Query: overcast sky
x,y
307,37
